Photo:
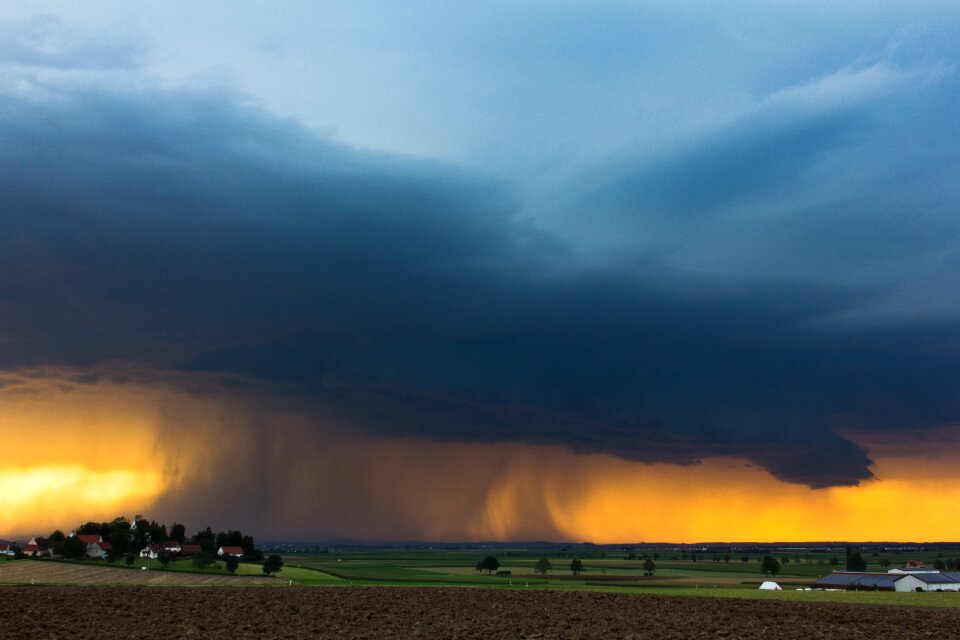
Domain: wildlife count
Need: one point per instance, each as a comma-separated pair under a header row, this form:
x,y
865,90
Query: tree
x,y
131,558
118,534
479,566
490,564
72,548
157,532
272,564
770,565
785,560
744,558
163,558
91,528
939,565
542,566
884,563
204,559
205,535
177,532
834,561
576,566
114,554
232,563
855,562
649,567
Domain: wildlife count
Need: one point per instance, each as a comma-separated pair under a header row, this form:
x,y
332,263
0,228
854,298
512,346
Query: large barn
x,y
901,579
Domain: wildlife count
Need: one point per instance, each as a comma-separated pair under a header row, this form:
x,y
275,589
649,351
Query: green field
x,y
676,574
609,572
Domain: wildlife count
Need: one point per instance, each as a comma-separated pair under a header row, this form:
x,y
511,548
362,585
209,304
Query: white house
x,y
6,549
98,550
151,551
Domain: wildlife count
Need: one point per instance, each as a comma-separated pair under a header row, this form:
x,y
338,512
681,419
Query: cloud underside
x,y
179,231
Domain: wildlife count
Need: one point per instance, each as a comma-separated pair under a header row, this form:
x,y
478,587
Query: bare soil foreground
x,y
60,573
378,612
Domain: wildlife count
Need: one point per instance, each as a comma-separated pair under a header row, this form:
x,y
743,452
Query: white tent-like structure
x,y
770,586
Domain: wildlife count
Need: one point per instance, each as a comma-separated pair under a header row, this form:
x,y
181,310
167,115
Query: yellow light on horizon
x,y
98,450
37,497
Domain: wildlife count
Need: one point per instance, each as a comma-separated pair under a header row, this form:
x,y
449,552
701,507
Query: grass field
x,y
603,572
673,576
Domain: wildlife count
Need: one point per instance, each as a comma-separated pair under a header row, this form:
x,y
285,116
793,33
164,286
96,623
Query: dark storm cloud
x,y
180,231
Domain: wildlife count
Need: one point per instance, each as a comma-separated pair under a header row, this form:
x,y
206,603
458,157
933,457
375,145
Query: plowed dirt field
x,y
375,612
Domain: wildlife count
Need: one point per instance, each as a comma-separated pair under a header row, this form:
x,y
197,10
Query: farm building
x,y
96,546
98,549
6,548
902,579
87,538
151,551
37,547
230,551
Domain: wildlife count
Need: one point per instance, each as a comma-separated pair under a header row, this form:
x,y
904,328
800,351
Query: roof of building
x,y
88,538
190,548
934,578
106,546
883,580
865,580
233,550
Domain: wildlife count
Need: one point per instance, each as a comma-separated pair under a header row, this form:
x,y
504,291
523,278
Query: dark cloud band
x,y
180,231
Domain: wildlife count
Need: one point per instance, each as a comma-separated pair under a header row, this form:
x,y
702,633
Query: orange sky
x,y
77,452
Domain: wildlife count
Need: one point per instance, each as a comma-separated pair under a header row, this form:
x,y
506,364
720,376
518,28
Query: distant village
x,y
127,540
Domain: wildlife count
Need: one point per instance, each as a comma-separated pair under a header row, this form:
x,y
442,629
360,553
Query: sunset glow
x,y
367,488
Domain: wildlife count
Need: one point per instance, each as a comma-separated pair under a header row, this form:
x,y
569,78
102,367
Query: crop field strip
x,y
26,572
372,613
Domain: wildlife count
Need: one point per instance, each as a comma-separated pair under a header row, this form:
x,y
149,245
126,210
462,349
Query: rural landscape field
x,y
521,319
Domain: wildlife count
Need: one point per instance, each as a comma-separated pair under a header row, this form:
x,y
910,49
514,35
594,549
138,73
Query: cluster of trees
x,y
769,564
127,539
488,564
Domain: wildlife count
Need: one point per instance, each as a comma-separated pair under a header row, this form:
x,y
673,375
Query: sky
x,y
609,271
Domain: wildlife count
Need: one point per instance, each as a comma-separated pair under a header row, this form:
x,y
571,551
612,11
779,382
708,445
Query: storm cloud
x,y
726,294
182,231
